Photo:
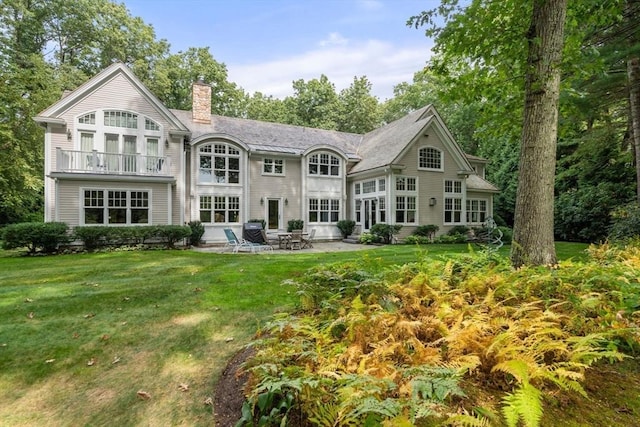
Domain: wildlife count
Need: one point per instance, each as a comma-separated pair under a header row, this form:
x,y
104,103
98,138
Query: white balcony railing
x,y
109,163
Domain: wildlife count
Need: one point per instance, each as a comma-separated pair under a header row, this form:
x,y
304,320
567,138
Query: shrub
x,y
170,234
626,223
36,236
385,232
295,224
368,238
417,240
426,231
93,236
346,227
458,230
197,231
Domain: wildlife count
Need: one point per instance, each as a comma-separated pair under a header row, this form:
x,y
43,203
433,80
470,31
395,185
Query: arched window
x,y
219,163
324,164
430,158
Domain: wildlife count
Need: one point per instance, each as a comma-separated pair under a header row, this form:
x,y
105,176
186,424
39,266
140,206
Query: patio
x,y
318,247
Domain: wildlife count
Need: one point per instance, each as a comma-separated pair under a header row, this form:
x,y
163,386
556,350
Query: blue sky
x,y
267,44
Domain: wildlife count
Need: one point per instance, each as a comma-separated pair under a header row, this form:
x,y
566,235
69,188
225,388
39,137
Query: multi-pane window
x,y
324,210
88,119
358,210
451,186
358,188
382,209
324,164
369,186
405,183
119,138
116,207
219,164
273,166
150,124
219,209
405,209
430,158
476,211
381,184
121,119
452,201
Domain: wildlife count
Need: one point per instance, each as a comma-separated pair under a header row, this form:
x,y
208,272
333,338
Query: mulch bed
x,y
229,396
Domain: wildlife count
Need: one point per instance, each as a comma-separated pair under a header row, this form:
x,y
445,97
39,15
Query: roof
x,y
476,183
268,136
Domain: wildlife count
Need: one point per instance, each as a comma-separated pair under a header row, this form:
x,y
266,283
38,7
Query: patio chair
x,y
236,244
295,239
307,242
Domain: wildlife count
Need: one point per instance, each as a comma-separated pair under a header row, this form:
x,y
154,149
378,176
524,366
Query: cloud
x,y
383,63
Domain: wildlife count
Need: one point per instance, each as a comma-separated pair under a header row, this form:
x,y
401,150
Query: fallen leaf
x,y
76,335
183,387
91,362
115,360
105,337
30,315
89,316
125,299
229,339
49,360
208,401
197,290
28,300
143,395
123,323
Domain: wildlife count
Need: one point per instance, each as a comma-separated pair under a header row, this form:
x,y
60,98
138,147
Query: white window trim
x,y
81,206
441,168
100,130
330,165
453,195
273,165
212,154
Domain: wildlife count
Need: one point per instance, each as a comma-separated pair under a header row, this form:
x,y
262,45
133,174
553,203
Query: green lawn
x,y
81,335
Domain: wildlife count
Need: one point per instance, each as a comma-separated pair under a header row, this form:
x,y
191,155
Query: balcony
x,y
94,162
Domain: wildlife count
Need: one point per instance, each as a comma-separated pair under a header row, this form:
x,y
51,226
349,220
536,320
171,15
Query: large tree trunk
x,y
633,72
533,227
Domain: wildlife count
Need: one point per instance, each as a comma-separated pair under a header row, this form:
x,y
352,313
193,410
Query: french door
x,y
274,214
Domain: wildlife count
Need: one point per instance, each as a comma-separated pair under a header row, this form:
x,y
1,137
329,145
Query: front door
x,y
273,215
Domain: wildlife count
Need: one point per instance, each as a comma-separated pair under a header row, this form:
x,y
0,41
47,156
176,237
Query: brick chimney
x,y
201,102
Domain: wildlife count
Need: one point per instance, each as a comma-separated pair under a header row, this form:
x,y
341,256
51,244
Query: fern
x,y
526,404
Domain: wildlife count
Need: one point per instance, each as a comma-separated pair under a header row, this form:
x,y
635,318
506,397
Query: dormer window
x,y
430,158
324,164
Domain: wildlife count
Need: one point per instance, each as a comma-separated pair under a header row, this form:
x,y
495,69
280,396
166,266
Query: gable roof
x,y
386,145
52,114
271,137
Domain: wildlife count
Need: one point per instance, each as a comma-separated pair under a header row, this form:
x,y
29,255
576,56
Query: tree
x,y
172,78
314,103
359,112
533,227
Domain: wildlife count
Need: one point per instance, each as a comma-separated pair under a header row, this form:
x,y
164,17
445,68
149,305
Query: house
x,y
115,155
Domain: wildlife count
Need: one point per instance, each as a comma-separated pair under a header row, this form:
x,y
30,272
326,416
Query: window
x,y
324,164
324,210
476,211
369,187
382,210
430,158
272,166
150,124
120,139
121,119
358,188
88,119
220,209
116,207
358,210
219,164
453,201
404,183
405,209
381,184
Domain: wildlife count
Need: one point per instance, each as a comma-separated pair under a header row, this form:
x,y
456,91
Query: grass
x,y
82,335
